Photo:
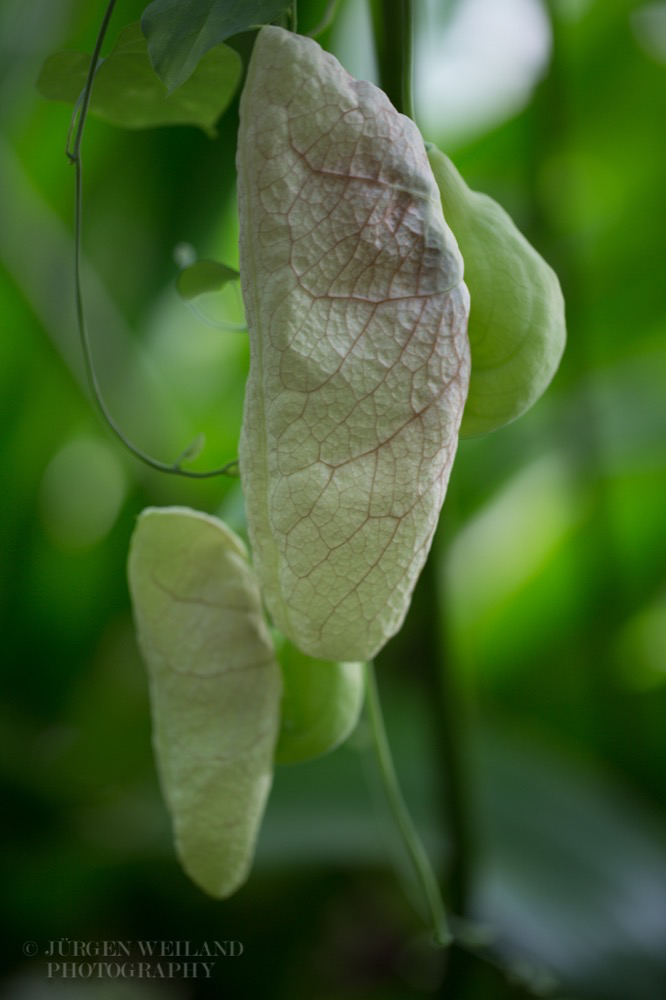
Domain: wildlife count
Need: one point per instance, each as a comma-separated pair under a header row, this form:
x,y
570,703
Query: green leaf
x,y
179,34
516,326
204,276
357,316
215,687
128,92
321,704
63,76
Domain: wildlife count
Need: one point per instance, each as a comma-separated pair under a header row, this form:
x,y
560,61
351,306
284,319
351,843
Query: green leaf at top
x,y
204,276
179,34
128,92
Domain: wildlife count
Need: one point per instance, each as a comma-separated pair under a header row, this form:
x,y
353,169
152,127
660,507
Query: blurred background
x,y
544,602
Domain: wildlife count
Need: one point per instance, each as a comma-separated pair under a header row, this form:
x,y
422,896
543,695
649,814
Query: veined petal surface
x,y
357,314
215,687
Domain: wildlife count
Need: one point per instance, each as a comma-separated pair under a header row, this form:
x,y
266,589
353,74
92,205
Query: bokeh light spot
x,y
81,494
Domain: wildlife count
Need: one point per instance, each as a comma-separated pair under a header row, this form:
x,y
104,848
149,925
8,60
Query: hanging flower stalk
x,y
360,368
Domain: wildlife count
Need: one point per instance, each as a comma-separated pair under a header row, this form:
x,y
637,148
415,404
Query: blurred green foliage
x,y
128,92
550,563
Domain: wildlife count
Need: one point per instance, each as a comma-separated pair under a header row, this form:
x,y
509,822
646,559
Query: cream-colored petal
x,y
359,356
215,688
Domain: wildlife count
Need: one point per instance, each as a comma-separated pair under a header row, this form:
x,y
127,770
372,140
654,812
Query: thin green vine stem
x,y
413,844
326,21
393,29
448,716
408,59
74,154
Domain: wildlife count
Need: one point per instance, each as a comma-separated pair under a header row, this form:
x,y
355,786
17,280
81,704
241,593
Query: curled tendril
x,y
74,140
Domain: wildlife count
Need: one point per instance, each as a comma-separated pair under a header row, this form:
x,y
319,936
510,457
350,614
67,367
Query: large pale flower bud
x,y
215,688
516,325
357,313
